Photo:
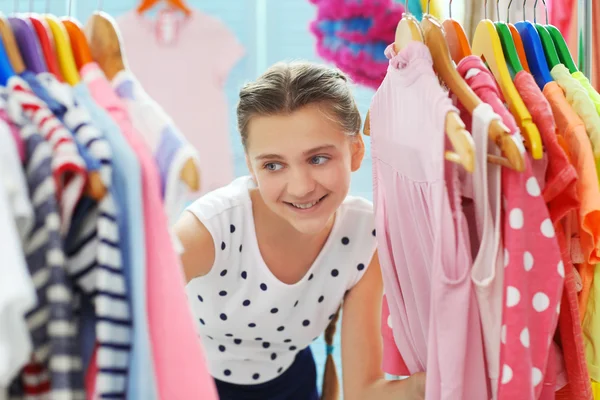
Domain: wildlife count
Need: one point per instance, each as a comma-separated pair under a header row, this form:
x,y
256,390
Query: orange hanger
x,y
519,45
79,43
456,38
442,63
46,42
146,5
10,44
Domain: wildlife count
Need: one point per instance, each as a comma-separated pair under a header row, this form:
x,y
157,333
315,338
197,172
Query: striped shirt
x,y
50,322
68,168
94,255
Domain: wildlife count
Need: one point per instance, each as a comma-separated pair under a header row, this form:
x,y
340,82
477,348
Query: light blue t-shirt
x,y
128,191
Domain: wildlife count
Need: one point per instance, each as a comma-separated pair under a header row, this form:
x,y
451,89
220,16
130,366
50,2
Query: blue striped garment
x,y
94,256
51,322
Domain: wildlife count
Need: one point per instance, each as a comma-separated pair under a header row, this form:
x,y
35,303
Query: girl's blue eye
x,y
273,166
319,160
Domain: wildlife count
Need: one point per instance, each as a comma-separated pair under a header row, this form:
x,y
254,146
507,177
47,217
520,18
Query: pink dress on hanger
x,y
422,234
534,272
183,63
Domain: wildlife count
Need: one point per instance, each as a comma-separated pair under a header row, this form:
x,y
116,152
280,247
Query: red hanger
x,y
41,30
146,5
79,43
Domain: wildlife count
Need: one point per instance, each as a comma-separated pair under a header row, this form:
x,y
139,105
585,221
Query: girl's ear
x,y
358,152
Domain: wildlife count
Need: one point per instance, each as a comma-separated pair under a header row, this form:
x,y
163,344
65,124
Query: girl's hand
x,y
416,386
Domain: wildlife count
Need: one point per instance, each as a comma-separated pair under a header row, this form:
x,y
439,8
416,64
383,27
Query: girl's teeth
x,y
305,206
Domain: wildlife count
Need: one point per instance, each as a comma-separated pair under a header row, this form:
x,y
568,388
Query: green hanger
x,y
561,48
508,47
548,45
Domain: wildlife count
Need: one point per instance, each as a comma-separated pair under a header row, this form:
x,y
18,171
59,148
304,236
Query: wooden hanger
x,y
180,5
10,45
105,46
28,44
519,46
498,132
456,38
486,44
46,44
79,44
63,50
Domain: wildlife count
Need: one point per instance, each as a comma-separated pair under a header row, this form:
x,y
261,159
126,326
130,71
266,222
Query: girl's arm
x,y
362,345
199,249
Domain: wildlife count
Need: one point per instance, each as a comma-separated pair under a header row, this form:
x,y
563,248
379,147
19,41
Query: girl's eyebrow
x,y
314,150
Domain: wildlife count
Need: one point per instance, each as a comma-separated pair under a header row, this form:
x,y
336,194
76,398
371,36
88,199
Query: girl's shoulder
x,y
223,200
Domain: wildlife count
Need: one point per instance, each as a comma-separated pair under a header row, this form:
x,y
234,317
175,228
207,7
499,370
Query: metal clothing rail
x,y
585,26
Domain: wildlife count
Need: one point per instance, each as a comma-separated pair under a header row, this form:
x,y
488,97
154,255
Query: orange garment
x,y
571,128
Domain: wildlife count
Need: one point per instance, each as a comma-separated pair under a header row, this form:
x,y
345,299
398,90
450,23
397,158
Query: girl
x,y
270,258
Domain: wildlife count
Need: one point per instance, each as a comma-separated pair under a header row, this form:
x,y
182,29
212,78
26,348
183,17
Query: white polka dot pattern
x,y
532,289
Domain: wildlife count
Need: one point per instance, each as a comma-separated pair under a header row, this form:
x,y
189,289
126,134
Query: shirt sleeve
x,y
231,51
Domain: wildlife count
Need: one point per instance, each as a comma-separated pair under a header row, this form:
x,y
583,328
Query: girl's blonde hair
x,y
283,89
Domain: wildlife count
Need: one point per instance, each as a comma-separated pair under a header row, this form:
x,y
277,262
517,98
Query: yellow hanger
x,y
486,43
63,50
442,63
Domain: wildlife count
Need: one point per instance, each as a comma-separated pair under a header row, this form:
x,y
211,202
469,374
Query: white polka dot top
x,y
251,324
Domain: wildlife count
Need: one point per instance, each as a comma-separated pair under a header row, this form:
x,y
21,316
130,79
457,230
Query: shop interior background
x,y
269,31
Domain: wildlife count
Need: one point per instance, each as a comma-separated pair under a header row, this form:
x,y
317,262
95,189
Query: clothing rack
x,y
585,24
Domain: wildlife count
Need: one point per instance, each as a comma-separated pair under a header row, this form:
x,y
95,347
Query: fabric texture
x,y
94,252
158,47
592,93
170,148
299,382
559,188
68,167
17,292
572,130
180,367
426,276
531,293
252,324
126,178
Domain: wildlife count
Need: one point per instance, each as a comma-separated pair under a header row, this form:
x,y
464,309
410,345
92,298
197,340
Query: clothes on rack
x,y
98,275
531,264
175,46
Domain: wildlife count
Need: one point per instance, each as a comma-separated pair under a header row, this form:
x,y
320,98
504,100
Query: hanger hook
x,y
535,11
428,3
406,9
498,9
508,12
485,10
99,5
69,4
545,10
16,6
450,9
524,5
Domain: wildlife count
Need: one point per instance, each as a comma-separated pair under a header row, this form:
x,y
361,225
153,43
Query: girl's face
x,y
302,164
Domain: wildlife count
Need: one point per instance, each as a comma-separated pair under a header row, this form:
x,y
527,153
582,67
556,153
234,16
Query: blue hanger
x,y
536,57
6,69
28,44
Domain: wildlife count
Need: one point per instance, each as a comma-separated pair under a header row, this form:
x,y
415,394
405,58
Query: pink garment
x,y
559,191
392,362
534,272
183,63
19,143
559,12
422,235
179,363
